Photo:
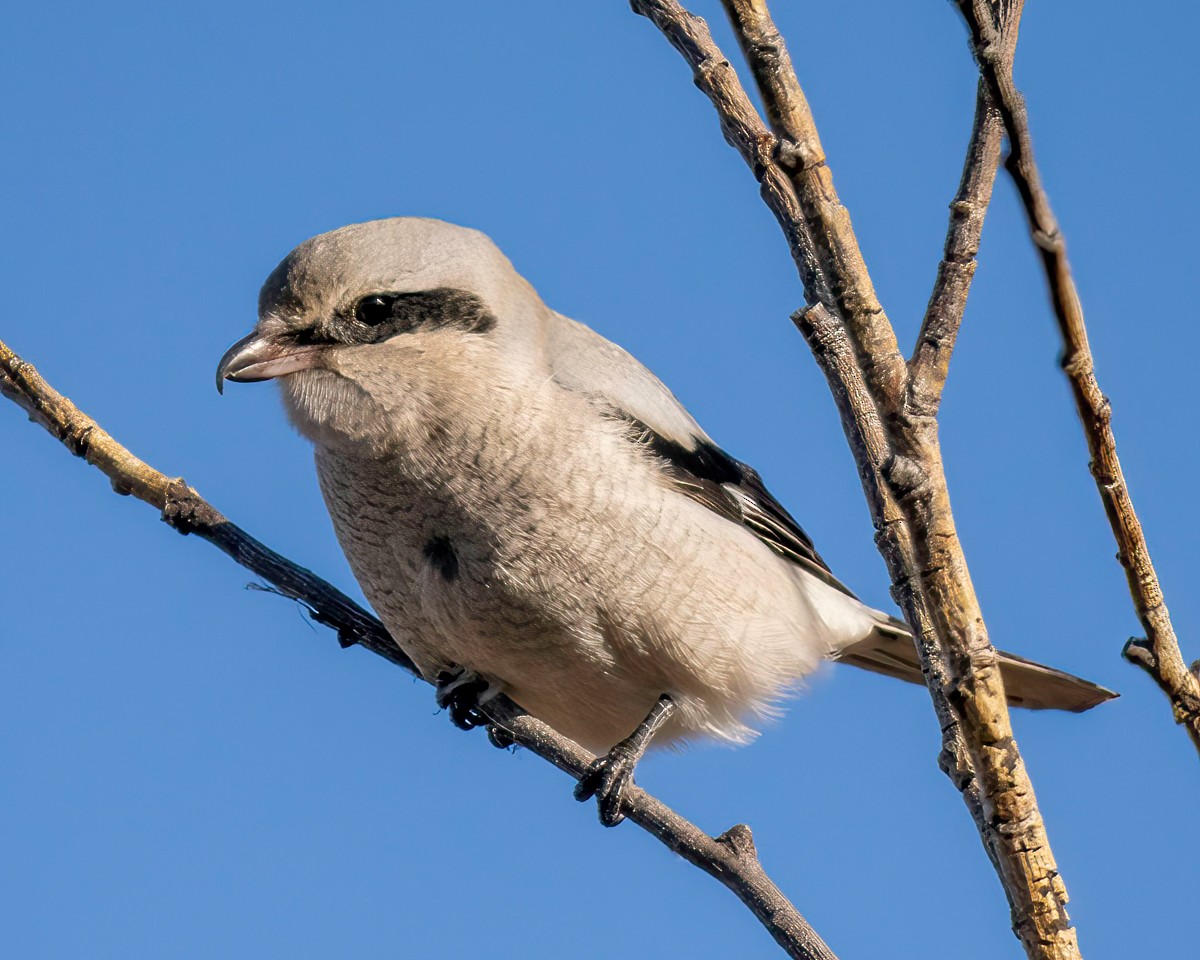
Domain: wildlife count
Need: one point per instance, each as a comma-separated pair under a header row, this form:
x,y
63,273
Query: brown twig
x,y
1158,654
930,361
847,291
835,355
731,858
185,510
901,469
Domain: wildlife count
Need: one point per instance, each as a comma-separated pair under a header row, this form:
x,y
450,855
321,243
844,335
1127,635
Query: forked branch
x,y
894,440
1158,654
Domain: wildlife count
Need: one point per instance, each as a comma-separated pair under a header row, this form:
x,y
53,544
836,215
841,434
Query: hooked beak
x,y
262,358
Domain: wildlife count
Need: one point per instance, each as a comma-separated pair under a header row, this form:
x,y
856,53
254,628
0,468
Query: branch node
x,y
1049,240
185,510
77,437
346,636
906,477
740,841
1137,650
1075,363
797,156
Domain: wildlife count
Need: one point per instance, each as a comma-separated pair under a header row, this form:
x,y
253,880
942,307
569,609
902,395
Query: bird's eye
x,y
374,309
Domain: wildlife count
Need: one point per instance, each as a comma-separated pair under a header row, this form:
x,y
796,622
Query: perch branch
x,y
731,858
917,538
1158,654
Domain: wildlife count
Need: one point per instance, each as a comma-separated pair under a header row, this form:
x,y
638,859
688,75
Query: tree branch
x,y
902,471
1158,654
846,291
836,357
731,858
930,362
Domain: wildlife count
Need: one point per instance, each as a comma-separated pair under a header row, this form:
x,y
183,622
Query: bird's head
x,y
367,327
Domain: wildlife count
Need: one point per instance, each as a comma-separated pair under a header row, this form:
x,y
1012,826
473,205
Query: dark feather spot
x,y
440,553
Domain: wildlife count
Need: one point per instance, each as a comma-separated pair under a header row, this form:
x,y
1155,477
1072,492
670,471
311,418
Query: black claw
x,y
608,776
606,780
461,701
499,737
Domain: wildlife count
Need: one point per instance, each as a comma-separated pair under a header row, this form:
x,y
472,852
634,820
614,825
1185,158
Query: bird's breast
x,y
445,554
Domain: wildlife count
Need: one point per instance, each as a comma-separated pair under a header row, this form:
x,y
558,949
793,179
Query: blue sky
x,y
193,771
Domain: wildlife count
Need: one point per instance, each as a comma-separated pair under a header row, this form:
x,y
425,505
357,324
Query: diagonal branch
x,y
836,357
929,365
846,291
903,476
731,858
1158,654
185,510
930,362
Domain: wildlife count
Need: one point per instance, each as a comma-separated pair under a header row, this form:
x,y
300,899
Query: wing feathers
x,y
733,490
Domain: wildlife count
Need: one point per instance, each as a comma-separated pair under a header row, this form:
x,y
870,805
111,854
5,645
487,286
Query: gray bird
x,y
530,510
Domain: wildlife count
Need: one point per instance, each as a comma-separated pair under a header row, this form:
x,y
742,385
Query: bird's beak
x,y
257,357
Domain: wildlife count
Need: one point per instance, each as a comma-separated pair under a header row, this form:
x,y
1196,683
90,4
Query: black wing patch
x,y
735,491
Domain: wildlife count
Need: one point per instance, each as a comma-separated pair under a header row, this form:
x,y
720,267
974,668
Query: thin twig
x,y
185,510
1158,654
731,858
930,362
930,579
848,292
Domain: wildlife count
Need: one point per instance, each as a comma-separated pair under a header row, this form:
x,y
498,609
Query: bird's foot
x,y
606,780
461,692
608,776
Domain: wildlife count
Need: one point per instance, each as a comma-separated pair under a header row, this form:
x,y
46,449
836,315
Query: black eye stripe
x,y
385,314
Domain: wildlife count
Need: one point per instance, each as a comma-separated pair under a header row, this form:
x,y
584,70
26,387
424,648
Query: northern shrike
x,y
530,510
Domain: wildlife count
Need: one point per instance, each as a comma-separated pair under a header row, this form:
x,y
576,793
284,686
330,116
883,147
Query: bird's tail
x,y
889,650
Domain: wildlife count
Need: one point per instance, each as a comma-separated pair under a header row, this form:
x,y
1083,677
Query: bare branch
x,y
1159,654
930,362
817,227
185,510
903,478
743,130
848,292
835,356
731,858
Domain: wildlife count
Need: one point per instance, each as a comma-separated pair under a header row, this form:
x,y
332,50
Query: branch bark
x,y
846,288
930,362
1158,654
731,857
895,445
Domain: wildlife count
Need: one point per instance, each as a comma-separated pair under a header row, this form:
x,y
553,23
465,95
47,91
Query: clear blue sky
x,y
190,770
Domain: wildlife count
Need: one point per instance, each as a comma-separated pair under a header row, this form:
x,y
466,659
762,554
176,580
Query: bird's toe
x,y
460,692
606,780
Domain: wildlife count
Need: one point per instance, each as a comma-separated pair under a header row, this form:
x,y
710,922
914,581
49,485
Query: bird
x,y
530,511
